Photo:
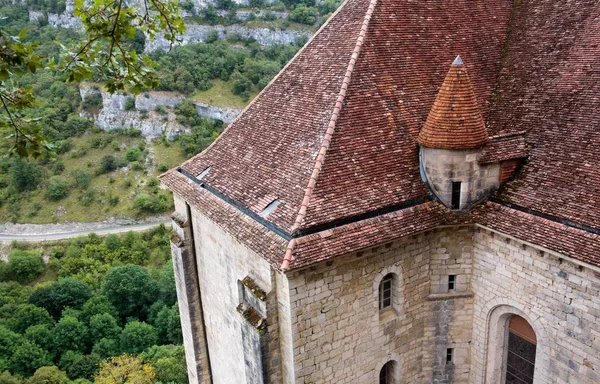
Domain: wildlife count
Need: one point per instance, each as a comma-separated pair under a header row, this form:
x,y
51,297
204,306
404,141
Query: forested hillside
x,y
96,174
66,308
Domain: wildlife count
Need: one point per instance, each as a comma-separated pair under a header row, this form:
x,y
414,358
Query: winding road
x,y
70,234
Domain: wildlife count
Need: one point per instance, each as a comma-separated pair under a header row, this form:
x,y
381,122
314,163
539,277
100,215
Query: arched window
x,y
520,352
386,288
386,375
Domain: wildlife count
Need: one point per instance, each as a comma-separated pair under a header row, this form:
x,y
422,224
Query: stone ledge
x,y
449,295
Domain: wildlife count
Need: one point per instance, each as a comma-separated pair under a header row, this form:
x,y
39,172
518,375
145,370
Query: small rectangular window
x,y
385,293
456,195
451,282
449,353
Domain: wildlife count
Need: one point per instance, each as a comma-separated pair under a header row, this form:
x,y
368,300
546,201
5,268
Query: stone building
x,y
415,198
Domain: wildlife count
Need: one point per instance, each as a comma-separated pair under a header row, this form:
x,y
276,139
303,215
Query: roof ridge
x,y
280,73
330,130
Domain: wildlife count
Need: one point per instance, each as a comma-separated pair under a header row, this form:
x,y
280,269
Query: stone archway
x,y
498,340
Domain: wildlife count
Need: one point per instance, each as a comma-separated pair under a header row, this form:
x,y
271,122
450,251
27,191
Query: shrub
x,y
130,289
153,182
63,293
132,154
150,204
48,375
161,109
58,167
212,37
304,15
108,163
92,101
87,198
28,357
57,189
26,175
130,103
24,266
137,336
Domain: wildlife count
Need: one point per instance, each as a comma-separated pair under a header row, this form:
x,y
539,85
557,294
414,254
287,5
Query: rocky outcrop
x,y
194,33
151,123
245,15
199,33
226,115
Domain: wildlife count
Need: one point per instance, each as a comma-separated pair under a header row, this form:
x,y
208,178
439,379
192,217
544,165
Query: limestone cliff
x,y
113,113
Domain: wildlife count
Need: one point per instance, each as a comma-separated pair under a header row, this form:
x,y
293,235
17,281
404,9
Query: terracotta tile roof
x,y
573,242
255,236
372,161
550,87
354,237
454,121
504,147
334,136
271,148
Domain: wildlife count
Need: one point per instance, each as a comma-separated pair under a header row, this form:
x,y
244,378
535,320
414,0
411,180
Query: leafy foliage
x,y
67,292
24,266
125,369
131,290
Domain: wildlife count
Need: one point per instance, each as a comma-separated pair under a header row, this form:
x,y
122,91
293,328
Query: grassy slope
x,y
220,95
106,185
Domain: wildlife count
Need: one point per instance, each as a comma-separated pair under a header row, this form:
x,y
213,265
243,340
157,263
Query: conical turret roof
x,y
454,121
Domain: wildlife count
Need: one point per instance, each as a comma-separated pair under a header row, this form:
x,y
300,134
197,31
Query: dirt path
x,y
43,232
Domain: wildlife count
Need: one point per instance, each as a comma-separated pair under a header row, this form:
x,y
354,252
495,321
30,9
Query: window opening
x,y
386,374
520,362
456,195
449,355
451,282
385,292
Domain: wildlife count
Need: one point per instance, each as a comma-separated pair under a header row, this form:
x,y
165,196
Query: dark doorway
x,y
520,362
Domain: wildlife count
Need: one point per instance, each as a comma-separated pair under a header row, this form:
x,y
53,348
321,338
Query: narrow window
x,y
385,292
386,375
456,194
449,353
451,282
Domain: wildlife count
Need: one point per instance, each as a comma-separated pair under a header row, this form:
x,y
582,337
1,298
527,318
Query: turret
x,y
451,140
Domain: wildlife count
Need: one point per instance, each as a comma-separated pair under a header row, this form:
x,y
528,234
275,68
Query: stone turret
x,y
451,140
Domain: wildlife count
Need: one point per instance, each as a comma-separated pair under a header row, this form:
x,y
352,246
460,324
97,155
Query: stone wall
x,y
340,335
558,297
188,296
443,166
237,349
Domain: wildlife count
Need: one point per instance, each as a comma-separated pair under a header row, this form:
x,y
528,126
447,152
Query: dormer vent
x,y
203,173
269,208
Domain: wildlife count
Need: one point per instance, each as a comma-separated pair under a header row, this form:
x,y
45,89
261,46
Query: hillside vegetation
x,y
96,175
95,299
